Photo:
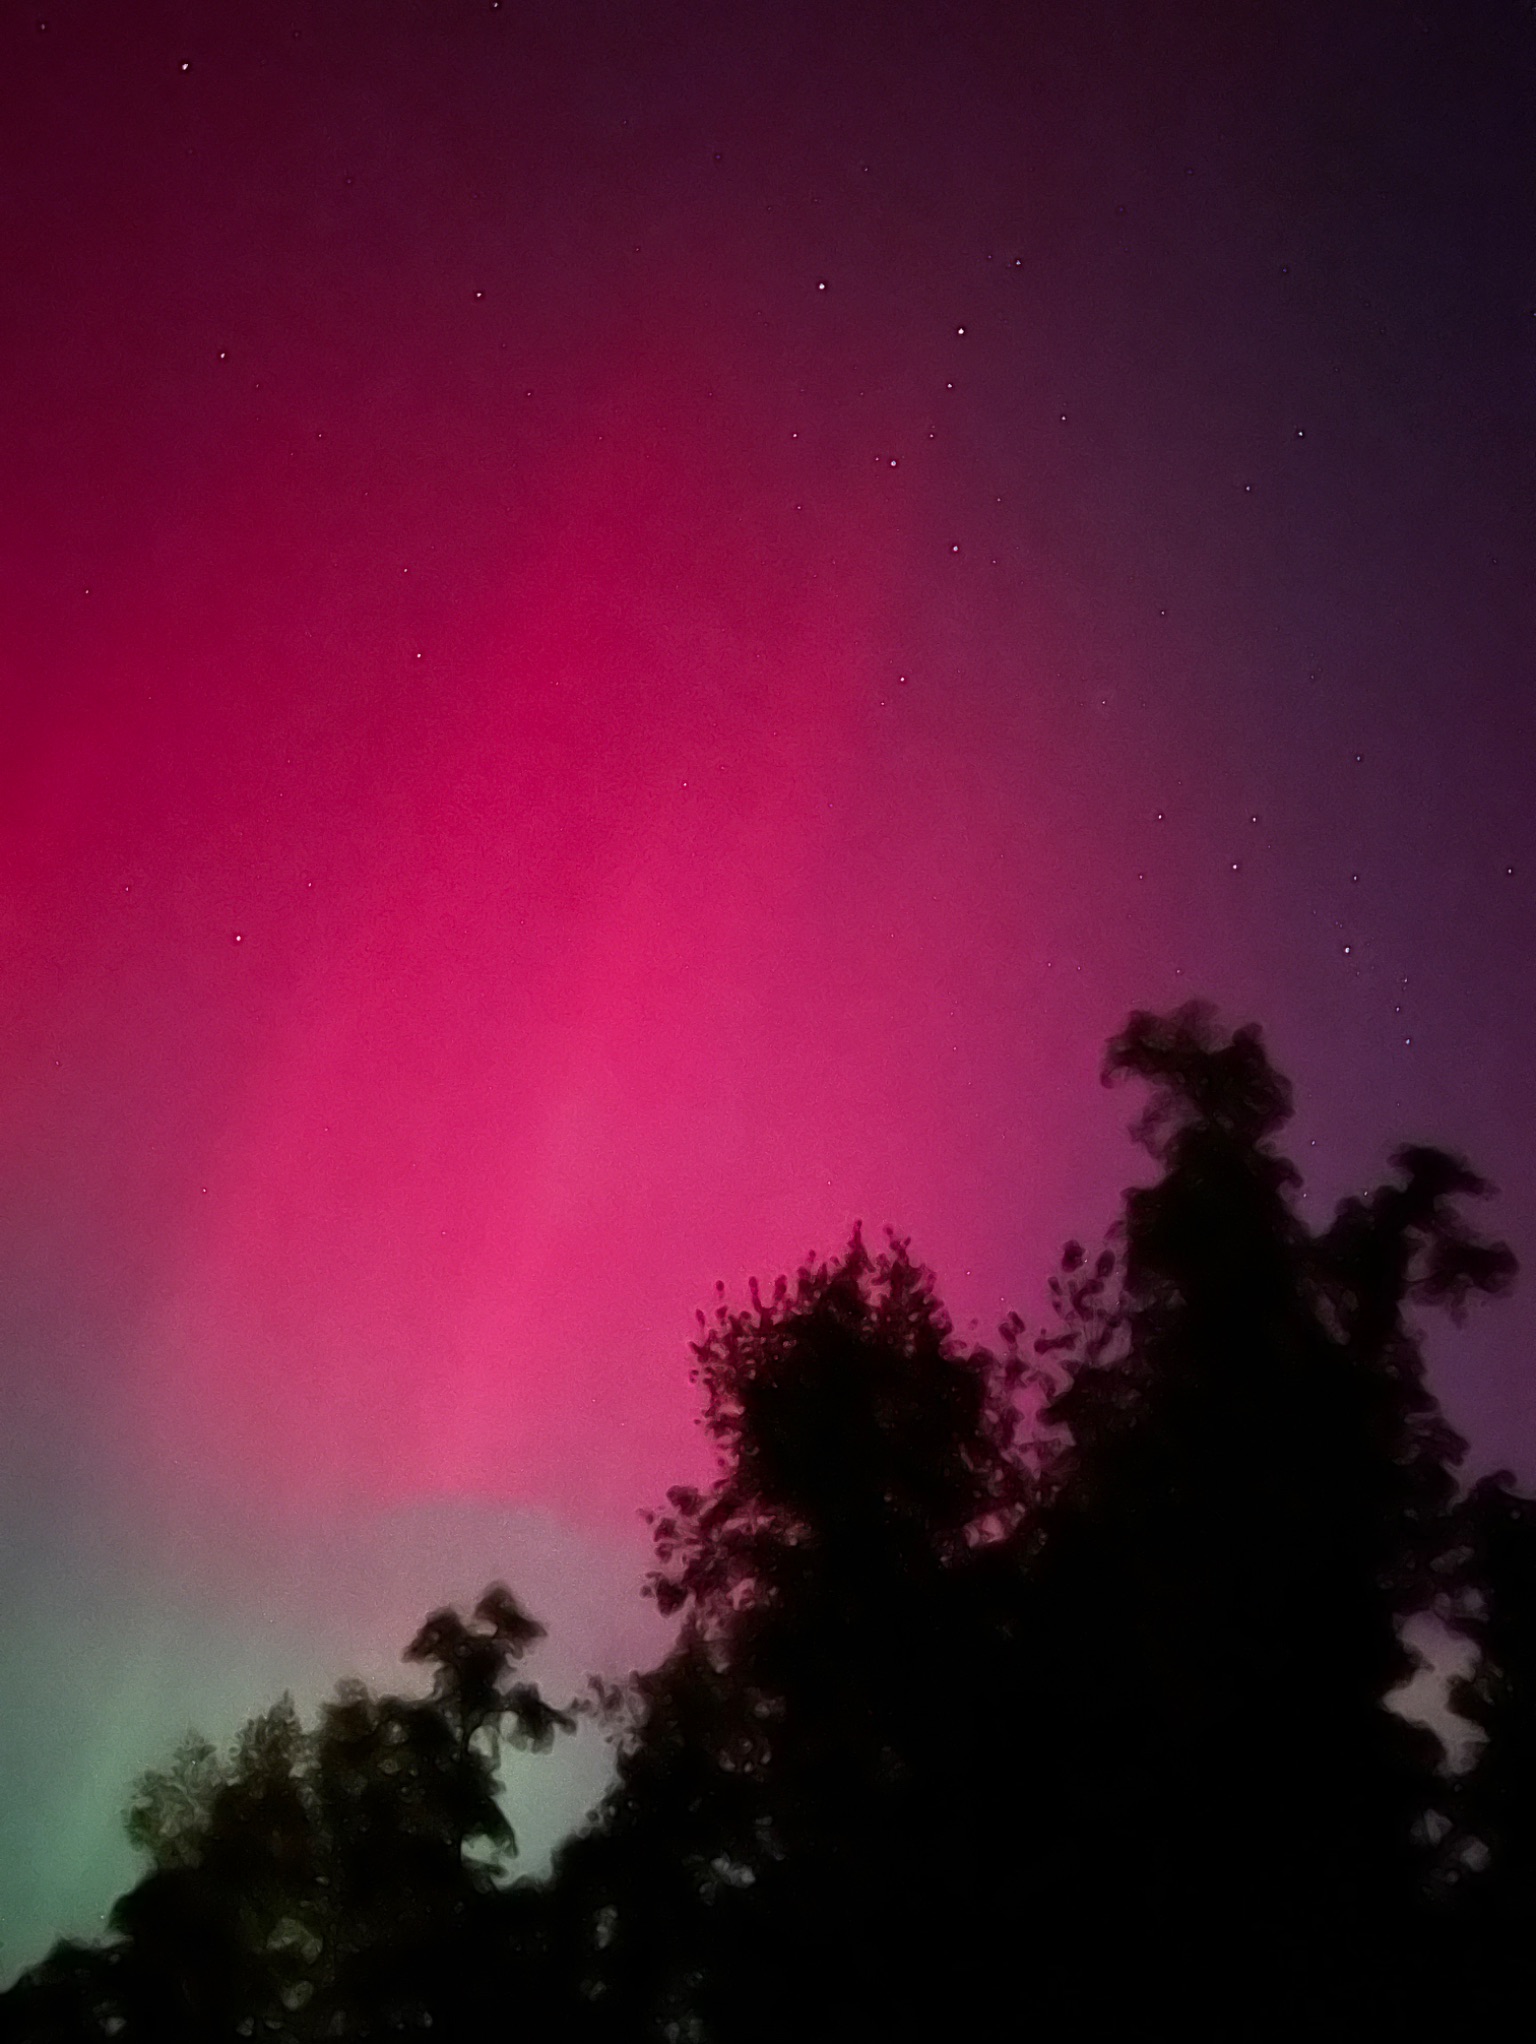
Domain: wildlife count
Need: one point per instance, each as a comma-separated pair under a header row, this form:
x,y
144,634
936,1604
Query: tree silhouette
x,y
770,1862
1492,1869
1028,1687
1254,1493
332,1883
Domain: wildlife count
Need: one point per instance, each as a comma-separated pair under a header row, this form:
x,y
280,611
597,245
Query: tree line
x,y
1036,1689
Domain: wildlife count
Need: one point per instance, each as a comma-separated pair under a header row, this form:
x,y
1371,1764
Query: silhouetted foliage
x,y
1254,1495
773,1858
332,1883
1492,1848
1037,1686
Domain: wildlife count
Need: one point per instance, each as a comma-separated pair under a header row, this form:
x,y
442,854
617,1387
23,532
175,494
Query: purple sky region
x,y
630,632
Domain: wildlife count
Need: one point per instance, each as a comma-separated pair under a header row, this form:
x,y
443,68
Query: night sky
x,y
629,631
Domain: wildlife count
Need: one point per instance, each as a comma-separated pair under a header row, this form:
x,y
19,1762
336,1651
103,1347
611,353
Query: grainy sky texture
x,y
629,630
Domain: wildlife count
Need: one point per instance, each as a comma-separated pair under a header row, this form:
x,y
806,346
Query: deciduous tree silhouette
x,y
1492,1875
1254,1495
777,1857
327,1884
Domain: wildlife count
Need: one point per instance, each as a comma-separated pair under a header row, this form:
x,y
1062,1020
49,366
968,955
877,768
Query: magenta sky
x,y
630,630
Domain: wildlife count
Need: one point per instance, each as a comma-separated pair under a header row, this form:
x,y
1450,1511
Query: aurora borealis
x,y
629,632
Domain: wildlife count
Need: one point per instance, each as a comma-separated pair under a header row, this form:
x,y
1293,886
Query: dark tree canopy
x,y
1042,1687
1254,1493
333,1883
798,1766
